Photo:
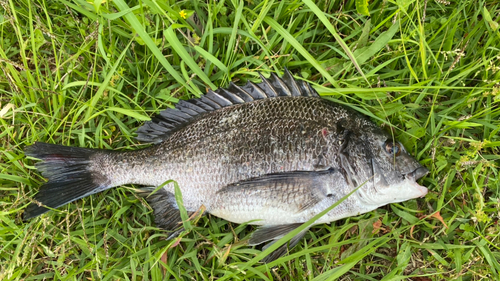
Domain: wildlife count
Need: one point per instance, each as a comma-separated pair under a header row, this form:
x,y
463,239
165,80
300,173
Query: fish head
x,y
388,171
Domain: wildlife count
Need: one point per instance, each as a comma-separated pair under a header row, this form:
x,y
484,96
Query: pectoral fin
x,y
275,198
301,189
269,195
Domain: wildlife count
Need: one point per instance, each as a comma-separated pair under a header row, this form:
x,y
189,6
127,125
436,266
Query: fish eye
x,y
392,147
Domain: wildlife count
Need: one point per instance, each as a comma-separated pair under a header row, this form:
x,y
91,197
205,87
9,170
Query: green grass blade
x,y
212,59
362,55
362,7
106,81
321,16
230,46
179,48
136,25
290,39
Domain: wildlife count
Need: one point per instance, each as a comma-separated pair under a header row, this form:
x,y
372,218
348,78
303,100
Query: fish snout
x,y
415,175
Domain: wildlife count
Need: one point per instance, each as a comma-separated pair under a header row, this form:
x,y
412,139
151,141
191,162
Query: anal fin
x,y
271,232
165,210
275,232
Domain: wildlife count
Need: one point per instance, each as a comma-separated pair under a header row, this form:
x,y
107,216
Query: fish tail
x,y
70,175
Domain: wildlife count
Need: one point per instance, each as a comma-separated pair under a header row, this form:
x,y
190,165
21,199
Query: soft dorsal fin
x,y
170,120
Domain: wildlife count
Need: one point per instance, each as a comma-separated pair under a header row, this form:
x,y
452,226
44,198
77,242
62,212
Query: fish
x,y
272,154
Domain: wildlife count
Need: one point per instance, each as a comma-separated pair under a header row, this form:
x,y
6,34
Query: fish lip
x,y
418,173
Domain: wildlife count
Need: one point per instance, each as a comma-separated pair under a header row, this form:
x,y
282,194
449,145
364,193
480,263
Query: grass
x,y
88,73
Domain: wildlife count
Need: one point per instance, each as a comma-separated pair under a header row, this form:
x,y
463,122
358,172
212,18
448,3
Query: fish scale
x,y
273,154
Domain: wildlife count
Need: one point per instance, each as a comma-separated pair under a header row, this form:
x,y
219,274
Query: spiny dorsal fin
x,y
172,119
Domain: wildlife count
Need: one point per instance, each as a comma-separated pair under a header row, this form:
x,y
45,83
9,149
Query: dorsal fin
x,y
172,119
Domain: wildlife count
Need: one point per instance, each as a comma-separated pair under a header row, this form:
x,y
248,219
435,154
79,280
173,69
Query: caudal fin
x,y
69,173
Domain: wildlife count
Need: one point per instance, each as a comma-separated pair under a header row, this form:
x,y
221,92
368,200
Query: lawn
x,y
89,73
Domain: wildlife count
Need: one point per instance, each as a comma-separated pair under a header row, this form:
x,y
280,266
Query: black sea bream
x,y
273,154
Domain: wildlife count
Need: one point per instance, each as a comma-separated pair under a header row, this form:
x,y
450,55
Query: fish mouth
x,y
411,177
414,176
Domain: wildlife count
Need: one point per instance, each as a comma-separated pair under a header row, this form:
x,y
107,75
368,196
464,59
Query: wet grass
x,y
88,74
